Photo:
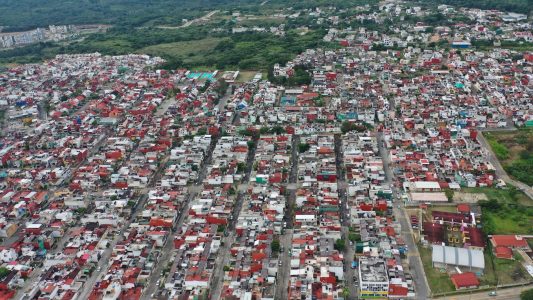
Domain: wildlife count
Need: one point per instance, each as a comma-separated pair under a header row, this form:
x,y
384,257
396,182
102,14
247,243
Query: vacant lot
x,y
463,197
509,271
514,149
245,76
188,52
266,21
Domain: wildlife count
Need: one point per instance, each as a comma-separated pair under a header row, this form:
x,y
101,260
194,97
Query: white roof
x,y
426,185
33,225
429,197
458,256
305,217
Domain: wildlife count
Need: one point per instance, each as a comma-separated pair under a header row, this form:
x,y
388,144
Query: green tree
x,y
3,272
340,245
527,295
354,237
277,130
241,167
202,131
222,87
303,147
449,194
232,191
275,246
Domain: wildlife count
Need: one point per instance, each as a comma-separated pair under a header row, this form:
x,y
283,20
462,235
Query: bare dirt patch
x,y
469,197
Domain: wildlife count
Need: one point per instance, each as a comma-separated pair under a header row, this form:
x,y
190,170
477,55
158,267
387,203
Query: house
x,y
503,252
467,280
510,241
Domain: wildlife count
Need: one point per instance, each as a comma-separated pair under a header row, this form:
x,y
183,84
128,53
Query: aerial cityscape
x,y
266,150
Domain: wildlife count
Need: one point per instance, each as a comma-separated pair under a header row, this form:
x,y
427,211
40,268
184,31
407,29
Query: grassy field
x,y
507,211
509,271
514,149
439,282
265,21
188,52
506,195
245,76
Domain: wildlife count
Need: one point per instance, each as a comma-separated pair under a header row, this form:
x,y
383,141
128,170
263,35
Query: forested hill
x,y
519,6
27,14
16,15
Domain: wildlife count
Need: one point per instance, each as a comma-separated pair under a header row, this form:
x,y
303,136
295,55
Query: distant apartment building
x,y
11,39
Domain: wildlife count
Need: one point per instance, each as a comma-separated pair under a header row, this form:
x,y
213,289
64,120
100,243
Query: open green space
x,y
190,52
490,275
507,211
265,21
509,271
183,48
245,76
519,6
24,14
28,14
514,149
502,271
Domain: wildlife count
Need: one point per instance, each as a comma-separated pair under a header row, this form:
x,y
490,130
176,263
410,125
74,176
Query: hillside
x,y
26,14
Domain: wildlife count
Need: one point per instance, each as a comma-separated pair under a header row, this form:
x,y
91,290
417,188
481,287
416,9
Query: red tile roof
x,y
476,237
503,252
463,208
397,290
463,280
509,241
434,232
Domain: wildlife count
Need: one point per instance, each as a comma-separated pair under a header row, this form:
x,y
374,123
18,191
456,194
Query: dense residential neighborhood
x,y
349,172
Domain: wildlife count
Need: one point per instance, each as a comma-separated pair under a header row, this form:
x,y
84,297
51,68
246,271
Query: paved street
x,y
349,274
104,260
415,263
501,294
36,274
224,251
168,247
283,276
293,182
284,271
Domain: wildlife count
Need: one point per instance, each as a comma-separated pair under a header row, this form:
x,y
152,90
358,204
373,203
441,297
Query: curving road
x,y
500,172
